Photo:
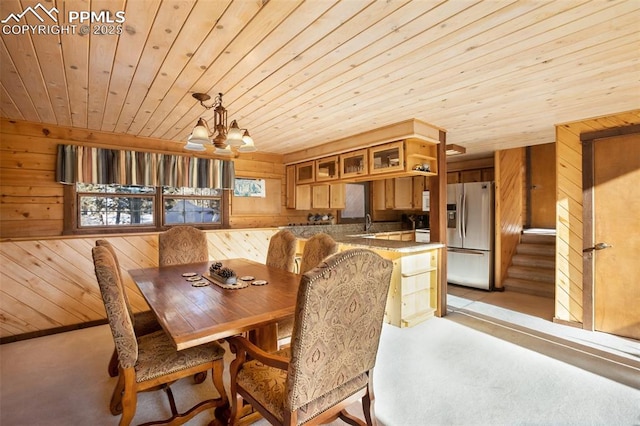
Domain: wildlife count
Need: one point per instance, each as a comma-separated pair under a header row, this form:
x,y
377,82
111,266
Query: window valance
x,y
108,166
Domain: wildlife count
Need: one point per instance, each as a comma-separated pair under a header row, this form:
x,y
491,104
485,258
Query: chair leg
x,y
129,403
116,398
350,419
113,364
368,403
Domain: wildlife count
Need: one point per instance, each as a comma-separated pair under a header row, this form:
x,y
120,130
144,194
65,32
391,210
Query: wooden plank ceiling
x,y
495,74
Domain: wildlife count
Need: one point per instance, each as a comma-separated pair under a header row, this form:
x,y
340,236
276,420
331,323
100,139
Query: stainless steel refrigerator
x,y
470,219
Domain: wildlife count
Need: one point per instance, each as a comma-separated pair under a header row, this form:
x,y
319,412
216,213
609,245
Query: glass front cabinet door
x,y
386,158
327,169
353,164
305,172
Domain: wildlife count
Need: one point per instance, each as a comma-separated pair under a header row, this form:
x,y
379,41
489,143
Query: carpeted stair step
x,y
530,238
532,274
536,249
535,288
547,262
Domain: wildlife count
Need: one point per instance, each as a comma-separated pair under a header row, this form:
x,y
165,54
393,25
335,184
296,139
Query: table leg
x,y
265,337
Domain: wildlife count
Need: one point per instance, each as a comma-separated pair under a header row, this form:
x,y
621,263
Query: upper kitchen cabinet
x,y
421,157
354,164
404,158
305,173
386,158
327,169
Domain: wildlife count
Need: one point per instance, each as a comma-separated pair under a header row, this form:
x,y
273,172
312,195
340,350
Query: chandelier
x,y
227,140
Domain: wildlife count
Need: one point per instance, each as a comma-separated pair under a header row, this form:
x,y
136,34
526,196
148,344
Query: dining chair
x,y
151,361
329,365
182,244
316,249
282,250
144,322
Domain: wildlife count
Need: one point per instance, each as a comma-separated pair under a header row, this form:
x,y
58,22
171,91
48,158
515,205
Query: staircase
x,y
533,267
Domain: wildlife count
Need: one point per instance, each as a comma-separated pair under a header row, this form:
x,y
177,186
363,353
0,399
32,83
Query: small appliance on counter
x,y
416,221
423,235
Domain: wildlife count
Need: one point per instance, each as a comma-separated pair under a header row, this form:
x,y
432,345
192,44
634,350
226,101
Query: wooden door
x,y
542,186
615,245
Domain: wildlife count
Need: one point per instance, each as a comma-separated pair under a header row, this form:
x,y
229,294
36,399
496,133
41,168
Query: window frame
x,y
72,214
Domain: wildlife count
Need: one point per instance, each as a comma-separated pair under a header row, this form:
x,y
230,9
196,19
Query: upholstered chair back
x,y
182,244
106,244
282,250
114,302
338,320
316,249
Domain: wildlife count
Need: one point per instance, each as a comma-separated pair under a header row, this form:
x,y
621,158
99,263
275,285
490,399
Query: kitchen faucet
x,y
367,222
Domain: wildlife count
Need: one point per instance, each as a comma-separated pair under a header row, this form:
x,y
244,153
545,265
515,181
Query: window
x,y
357,203
123,208
192,205
115,205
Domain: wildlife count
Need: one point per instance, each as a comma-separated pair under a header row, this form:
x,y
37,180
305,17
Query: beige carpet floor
x,y
483,364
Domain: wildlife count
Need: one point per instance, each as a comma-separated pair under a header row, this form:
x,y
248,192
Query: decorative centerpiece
x,y
222,274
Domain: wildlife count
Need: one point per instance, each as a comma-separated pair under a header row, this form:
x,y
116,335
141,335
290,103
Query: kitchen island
x,y
413,294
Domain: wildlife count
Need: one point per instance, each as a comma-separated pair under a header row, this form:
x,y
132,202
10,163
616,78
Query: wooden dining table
x,y
193,315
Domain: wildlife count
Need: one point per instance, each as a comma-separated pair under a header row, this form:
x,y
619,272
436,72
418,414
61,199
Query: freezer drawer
x,y
471,268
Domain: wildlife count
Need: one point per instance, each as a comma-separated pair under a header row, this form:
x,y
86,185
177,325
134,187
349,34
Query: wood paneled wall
x,y
50,283
569,238
31,205
509,174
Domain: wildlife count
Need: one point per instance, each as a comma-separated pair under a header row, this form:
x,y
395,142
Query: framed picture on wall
x,y
244,187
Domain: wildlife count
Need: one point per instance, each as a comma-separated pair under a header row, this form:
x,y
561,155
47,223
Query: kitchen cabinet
x,y
379,195
320,195
412,295
303,197
291,187
471,175
327,169
421,155
453,177
386,158
488,175
305,172
389,193
354,164
328,196
338,194
467,176
418,187
403,193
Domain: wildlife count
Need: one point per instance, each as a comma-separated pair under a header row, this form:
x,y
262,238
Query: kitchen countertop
x,y
353,235
389,245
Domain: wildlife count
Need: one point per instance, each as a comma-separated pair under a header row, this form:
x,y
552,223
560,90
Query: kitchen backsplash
x,y
344,229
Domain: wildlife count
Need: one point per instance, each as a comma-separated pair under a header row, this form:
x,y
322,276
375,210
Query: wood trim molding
x,y
607,133
587,234
438,222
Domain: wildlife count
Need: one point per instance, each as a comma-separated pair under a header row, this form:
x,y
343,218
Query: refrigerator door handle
x,y
459,218
464,216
